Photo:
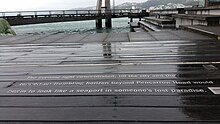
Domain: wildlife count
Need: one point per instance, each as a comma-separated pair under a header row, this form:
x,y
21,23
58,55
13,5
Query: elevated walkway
x,y
37,17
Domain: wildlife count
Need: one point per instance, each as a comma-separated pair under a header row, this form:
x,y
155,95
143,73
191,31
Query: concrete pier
x,y
108,20
99,23
108,23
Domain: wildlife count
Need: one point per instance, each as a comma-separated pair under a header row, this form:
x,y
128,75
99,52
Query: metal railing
x,y
51,13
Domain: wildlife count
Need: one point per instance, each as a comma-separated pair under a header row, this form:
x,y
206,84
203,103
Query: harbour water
x,y
119,25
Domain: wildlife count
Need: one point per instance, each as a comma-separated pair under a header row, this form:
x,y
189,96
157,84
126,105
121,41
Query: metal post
x,y
108,21
99,23
35,14
3,14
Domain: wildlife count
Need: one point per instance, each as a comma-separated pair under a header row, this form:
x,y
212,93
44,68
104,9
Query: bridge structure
x,y
49,16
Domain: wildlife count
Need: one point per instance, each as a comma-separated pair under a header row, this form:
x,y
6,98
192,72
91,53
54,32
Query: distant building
x,y
212,2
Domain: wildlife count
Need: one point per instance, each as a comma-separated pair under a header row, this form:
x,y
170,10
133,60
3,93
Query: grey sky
x,y
15,5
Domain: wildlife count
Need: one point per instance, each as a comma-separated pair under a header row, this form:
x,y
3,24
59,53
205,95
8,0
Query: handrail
x,y
63,12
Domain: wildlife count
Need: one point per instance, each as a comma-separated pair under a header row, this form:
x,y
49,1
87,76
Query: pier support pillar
x,y
108,20
108,23
206,3
98,9
140,19
99,23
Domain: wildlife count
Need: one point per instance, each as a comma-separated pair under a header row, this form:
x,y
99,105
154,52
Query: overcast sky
x,y
14,5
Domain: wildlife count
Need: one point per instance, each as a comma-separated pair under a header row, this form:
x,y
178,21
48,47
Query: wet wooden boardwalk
x,y
127,78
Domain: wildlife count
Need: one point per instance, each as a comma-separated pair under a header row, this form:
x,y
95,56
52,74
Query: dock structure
x,y
202,20
211,31
108,21
212,3
112,78
49,16
206,16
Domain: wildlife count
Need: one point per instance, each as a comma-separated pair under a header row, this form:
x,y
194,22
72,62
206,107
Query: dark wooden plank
x,y
86,79
99,37
188,35
5,84
167,101
49,38
97,91
77,101
115,82
115,37
127,114
12,39
140,36
111,101
73,38
4,37
111,122
29,39
179,75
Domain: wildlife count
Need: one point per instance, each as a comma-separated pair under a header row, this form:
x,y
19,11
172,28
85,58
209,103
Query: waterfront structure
x,y
212,3
107,9
49,16
158,77
203,16
110,78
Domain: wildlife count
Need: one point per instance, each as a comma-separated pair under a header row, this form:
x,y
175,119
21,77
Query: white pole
x,y
113,6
